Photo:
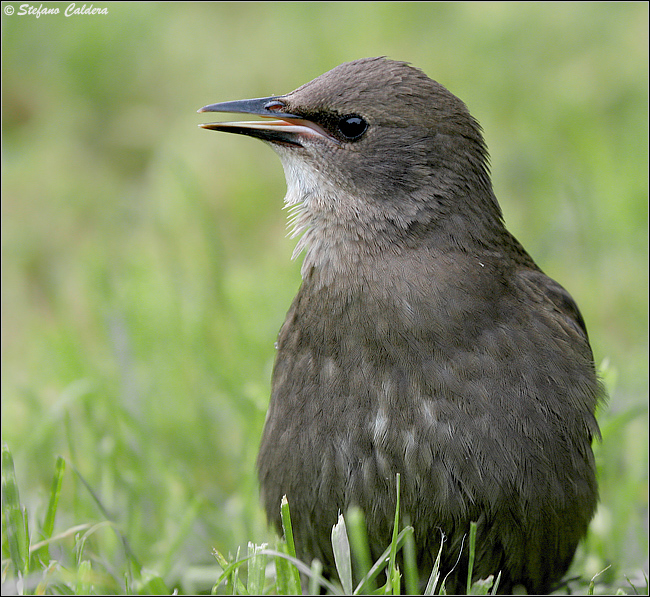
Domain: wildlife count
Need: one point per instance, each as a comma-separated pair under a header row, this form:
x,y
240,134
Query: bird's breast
x,y
448,381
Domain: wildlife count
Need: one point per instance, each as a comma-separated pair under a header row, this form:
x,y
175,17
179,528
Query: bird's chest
x,y
375,353
370,384
351,406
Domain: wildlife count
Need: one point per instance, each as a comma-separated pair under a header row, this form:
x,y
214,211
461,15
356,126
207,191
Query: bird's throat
x,y
325,219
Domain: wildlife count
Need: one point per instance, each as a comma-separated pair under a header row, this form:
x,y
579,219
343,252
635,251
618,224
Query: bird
x,y
424,340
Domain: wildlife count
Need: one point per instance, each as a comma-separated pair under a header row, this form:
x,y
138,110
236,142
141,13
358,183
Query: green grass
x,y
146,270
30,568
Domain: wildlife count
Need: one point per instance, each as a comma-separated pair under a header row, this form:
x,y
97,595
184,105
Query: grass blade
x,y
15,516
55,492
316,573
294,578
313,572
342,559
84,575
395,578
381,562
133,560
434,577
358,535
50,515
282,573
472,553
495,587
256,568
229,575
411,576
393,543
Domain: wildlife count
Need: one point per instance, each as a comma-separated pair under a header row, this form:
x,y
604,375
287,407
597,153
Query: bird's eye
x,y
352,127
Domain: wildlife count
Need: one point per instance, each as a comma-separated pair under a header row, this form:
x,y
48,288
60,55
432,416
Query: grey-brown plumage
x,y
424,339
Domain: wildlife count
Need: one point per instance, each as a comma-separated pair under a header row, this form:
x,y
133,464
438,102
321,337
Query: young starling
x,y
424,340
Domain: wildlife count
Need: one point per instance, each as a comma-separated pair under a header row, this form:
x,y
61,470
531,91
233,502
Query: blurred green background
x,y
146,269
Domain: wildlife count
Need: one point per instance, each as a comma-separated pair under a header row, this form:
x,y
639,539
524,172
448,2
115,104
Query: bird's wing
x,y
559,297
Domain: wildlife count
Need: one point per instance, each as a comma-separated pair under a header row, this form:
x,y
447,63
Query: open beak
x,y
287,128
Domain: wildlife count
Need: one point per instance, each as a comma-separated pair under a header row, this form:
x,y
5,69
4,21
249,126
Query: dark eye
x,y
352,126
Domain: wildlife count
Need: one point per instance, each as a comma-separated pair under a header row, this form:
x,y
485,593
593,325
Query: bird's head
x,y
376,155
